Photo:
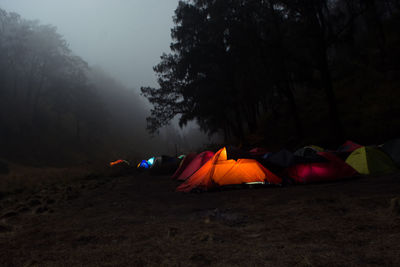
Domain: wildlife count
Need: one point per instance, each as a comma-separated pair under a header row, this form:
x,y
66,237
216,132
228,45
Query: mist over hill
x,y
57,109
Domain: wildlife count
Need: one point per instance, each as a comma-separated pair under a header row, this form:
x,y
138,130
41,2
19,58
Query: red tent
x,y
184,163
333,169
220,171
349,146
192,164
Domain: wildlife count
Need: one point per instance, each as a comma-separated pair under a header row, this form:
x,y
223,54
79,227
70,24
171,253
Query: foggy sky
x,y
124,37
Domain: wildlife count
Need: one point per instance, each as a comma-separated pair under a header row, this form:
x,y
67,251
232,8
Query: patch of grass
x,y
28,179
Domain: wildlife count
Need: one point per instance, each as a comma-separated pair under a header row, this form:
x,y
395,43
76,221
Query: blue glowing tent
x,y
143,164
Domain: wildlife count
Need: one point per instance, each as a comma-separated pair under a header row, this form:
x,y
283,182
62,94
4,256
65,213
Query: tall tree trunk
x,y
36,98
322,60
376,26
286,75
336,125
239,127
295,112
78,130
226,132
251,117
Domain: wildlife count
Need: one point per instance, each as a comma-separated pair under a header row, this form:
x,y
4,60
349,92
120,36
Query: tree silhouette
x,y
233,61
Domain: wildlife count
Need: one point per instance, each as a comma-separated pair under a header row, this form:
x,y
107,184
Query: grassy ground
x,y
139,220
22,178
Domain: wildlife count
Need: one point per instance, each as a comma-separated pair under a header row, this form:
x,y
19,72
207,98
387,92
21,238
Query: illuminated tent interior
x,y
150,161
220,171
143,165
332,169
309,164
119,162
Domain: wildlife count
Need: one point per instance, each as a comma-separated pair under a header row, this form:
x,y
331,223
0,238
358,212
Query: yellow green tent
x,y
317,148
369,160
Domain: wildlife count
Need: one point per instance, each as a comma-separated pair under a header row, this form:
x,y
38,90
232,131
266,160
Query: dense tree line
x,y
45,92
236,65
54,108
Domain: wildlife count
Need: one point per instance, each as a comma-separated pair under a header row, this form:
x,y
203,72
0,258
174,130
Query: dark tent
x,y
344,151
392,148
348,146
283,159
307,151
165,165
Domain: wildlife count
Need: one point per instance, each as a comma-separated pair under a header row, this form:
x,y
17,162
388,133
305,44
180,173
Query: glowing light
x,y
119,162
150,161
143,164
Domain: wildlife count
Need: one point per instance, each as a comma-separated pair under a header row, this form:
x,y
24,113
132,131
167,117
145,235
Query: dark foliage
x,y
249,67
46,97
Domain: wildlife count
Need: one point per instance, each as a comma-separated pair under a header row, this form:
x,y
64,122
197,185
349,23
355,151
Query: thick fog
x,y
121,41
124,37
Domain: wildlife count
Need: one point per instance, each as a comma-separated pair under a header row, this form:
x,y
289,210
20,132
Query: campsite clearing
x,y
140,220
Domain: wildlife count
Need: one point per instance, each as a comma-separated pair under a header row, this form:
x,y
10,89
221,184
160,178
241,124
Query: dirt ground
x,y
139,220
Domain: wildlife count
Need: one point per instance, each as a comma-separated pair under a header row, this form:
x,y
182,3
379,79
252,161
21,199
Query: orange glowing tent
x,y
117,162
219,171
